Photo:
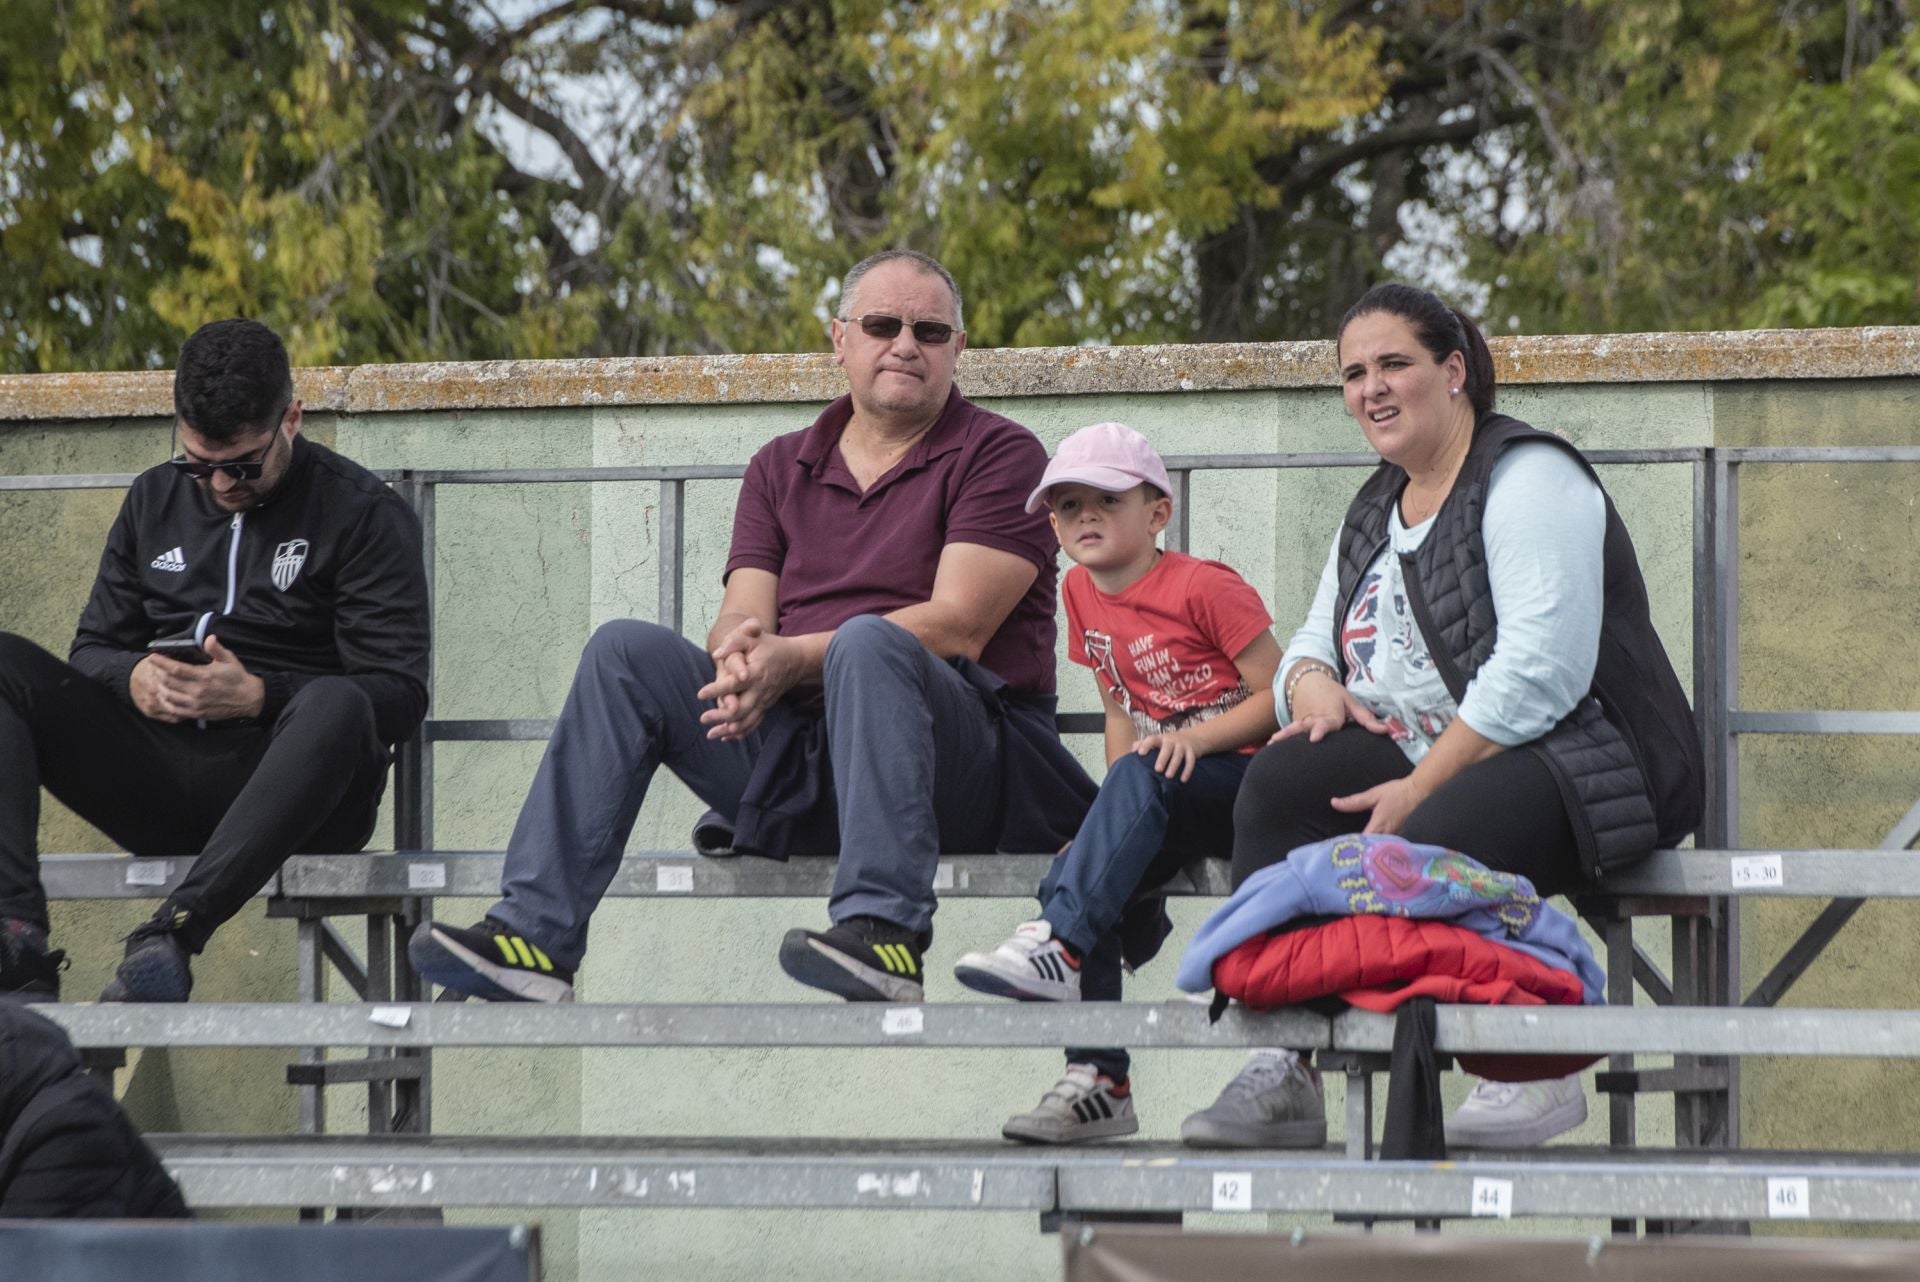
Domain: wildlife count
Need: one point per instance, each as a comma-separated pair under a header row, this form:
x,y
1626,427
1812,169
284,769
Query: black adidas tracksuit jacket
x,y
325,577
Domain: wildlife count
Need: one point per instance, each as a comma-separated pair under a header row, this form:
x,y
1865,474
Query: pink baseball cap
x,y
1107,456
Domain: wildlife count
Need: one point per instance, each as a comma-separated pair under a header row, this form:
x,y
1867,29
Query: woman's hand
x,y
1390,804
1321,705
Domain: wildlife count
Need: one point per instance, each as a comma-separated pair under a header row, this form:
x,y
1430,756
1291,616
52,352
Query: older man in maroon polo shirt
x,y
879,683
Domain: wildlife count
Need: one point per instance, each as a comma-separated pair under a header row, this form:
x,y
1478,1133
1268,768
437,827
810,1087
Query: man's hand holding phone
x,y
177,682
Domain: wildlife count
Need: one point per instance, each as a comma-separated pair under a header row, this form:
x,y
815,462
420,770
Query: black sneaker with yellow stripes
x,y
863,959
491,961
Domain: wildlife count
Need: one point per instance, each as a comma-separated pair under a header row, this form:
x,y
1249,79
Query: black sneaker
x,y
863,959
29,970
155,968
490,961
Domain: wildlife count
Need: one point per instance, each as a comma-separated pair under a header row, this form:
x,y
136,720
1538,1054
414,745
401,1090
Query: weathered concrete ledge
x,y
1739,356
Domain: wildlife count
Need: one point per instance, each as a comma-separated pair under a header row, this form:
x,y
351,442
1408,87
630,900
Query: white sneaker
x,y
1083,1105
1031,966
1518,1114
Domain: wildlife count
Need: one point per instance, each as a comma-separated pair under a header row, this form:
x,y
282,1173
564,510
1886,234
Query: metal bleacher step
x,y
1883,874
1717,1031
353,1171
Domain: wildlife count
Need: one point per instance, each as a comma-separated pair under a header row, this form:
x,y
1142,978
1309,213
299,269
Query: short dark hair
x,y
1441,329
233,379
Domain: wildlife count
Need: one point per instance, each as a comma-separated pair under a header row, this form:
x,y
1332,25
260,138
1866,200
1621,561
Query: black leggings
x,y
1506,811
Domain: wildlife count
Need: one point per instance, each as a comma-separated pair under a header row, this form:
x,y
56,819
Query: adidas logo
x,y
172,560
895,958
520,953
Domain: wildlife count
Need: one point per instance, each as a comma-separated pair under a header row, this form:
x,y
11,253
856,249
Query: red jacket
x,y
1378,962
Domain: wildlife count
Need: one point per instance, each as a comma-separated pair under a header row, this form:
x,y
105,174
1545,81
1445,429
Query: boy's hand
x,y
1176,753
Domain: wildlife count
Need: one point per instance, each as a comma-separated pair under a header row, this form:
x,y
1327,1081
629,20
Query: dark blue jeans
x,y
1142,828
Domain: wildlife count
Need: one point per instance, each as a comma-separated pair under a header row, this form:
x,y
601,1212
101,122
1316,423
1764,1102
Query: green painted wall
x,y
524,573
1830,577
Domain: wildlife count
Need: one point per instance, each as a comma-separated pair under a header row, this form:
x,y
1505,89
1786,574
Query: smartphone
x,y
185,649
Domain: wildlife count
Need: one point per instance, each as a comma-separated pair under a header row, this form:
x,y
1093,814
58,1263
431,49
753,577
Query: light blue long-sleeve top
x,y
1544,530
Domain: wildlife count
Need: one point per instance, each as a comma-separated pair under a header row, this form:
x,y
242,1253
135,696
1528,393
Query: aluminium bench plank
x,y
1692,1030
213,1171
1672,1186
1801,873
640,1172
800,1024
1873,874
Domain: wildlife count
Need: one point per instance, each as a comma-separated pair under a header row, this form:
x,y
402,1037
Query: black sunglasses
x,y
249,469
880,325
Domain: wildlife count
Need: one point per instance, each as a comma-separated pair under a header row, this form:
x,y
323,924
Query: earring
x,y
1453,391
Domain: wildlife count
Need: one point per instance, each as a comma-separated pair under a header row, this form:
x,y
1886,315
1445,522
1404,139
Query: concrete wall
x,y
524,573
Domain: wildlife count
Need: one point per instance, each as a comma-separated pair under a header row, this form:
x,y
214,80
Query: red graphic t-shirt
x,y
1164,647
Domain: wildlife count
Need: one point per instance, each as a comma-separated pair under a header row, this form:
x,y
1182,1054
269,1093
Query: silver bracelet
x,y
1301,669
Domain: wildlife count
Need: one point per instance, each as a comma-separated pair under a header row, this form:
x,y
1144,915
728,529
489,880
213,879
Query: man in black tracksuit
x,y
289,583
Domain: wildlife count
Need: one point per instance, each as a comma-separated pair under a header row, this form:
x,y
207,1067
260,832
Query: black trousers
x,y
241,797
1506,811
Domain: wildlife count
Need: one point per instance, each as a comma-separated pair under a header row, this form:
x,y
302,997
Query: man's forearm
x,y
944,629
725,624
109,665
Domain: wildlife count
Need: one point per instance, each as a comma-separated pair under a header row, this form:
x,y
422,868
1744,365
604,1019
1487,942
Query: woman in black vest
x,y
1479,671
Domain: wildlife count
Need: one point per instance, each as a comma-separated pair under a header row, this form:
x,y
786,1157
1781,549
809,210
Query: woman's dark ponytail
x,y
1479,388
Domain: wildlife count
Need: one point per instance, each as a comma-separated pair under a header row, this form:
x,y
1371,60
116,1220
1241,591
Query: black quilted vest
x,y
1627,758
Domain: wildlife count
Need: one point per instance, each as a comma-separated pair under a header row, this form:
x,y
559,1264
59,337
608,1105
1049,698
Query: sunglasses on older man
x,y
880,325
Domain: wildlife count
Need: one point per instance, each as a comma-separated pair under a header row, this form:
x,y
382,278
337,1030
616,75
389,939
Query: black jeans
x,y
1506,811
241,797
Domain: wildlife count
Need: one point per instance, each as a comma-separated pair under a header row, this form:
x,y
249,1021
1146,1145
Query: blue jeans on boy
x,y
1142,828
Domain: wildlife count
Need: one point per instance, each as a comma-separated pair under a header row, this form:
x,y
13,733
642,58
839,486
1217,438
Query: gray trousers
x,y
915,771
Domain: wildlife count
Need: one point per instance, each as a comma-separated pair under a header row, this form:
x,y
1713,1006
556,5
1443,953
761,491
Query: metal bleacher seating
x,y
1700,1016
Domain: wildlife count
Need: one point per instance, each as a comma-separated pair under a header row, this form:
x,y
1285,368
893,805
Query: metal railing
x,y
1706,961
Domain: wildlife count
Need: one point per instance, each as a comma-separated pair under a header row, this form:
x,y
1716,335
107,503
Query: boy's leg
x,y
1193,819
1101,978
1138,813
1093,1099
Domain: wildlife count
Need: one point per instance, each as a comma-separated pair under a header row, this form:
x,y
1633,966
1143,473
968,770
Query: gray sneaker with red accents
x,y
1083,1105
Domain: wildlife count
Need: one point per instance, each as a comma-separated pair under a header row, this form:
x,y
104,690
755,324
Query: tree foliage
x,y
429,179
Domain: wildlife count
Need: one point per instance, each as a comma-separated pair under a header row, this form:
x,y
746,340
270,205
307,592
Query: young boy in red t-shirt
x,y
1184,661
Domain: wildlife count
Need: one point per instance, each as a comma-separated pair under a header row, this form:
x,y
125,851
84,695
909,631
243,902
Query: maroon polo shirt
x,y
841,553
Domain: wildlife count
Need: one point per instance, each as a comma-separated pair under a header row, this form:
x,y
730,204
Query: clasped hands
x,y
168,690
753,668
1322,705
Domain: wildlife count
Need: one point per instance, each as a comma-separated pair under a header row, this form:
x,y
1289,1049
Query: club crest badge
x,y
287,560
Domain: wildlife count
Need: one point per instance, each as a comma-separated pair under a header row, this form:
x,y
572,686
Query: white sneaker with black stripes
x,y
1030,966
1083,1105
